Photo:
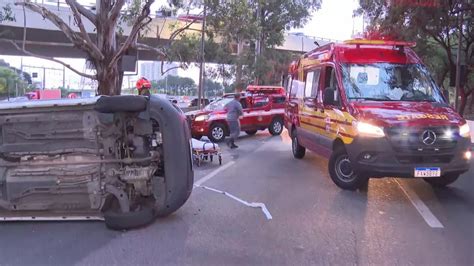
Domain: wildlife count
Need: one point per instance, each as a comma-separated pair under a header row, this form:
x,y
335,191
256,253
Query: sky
x,y
333,21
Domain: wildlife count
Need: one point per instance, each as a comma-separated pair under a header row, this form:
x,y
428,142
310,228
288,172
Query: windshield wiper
x,y
371,99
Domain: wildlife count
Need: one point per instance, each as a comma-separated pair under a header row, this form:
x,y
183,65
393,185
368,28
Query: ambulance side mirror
x,y
328,96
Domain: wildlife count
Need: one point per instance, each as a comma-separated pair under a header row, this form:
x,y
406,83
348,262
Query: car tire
x,y
342,173
442,181
217,132
251,132
276,126
298,150
123,103
116,220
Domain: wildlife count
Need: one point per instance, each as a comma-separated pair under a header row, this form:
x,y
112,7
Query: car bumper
x,y
384,161
200,128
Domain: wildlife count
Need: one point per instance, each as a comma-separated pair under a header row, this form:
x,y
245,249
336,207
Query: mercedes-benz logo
x,y
428,137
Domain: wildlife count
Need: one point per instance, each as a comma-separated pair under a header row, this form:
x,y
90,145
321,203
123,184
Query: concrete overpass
x,y
44,38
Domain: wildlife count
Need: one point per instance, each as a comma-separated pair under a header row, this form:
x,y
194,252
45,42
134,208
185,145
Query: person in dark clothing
x,y
234,111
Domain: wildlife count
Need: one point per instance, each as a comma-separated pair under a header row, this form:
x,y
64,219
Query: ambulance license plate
x,y
427,172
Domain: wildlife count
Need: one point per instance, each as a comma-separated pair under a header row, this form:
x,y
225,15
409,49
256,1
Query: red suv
x,y
263,108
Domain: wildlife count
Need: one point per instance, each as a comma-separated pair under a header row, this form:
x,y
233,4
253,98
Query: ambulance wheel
x,y
442,181
251,132
217,132
276,127
342,173
298,150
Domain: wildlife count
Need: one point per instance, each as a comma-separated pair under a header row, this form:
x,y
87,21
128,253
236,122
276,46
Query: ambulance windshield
x,y
217,105
389,82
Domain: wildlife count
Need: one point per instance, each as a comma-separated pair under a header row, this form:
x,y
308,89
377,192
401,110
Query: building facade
x,y
152,70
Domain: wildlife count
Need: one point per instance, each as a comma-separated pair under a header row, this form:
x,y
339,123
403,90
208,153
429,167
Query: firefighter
x,y
143,86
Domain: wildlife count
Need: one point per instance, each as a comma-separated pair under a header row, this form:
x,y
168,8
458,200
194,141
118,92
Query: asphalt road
x,y
392,222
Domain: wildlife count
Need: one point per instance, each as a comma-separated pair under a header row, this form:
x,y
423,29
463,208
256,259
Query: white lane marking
x,y
249,204
225,166
213,173
421,207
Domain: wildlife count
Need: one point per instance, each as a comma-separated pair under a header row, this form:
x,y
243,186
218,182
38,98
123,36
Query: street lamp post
x,y
201,65
458,63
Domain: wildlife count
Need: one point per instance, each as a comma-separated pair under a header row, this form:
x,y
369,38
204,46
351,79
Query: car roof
x,y
359,51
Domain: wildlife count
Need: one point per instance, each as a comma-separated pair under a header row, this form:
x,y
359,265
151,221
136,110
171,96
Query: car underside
x,y
124,159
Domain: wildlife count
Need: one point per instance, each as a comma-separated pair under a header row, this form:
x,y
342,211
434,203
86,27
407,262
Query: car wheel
x,y
342,173
298,150
116,220
442,181
251,132
217,132
276,127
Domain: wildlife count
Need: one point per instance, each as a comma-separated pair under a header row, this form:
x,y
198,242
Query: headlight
x,y
468,155
368,130
201,118
464,130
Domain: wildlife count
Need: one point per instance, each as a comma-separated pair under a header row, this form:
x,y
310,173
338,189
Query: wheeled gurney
x,y
203,151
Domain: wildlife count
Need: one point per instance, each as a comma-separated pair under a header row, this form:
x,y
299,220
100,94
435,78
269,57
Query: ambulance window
x,y
293,88
288,85
314,91
297,89
330,81
300,93
308,87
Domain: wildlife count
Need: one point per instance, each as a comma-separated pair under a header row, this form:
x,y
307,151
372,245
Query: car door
x,y
334,118
291,104
260,110
310,118
246,119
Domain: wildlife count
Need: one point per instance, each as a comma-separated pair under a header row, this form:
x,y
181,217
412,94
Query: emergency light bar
x,y
380,42
265,89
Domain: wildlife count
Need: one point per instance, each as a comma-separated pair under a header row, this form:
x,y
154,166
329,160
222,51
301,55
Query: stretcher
x,y
205,151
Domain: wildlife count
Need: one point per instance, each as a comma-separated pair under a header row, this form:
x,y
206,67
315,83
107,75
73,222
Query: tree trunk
x,y
464,96
472,103
108,80
238,68
120,78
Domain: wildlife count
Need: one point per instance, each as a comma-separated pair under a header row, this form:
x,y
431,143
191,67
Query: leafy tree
x,y
212,88
11,83
239,24
6,13
175,85
435,29
106,49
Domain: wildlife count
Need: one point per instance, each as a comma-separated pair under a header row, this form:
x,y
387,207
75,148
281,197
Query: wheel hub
x,y
344,169
217,133
277,127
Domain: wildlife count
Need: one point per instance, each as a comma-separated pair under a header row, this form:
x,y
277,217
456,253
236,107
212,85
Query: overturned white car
x,y
123,159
